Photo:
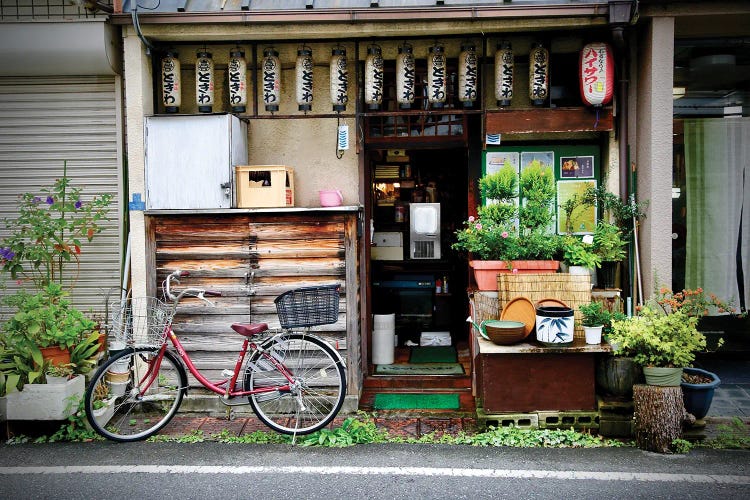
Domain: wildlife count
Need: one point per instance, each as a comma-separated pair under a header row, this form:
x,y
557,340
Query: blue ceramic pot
x,y
697,397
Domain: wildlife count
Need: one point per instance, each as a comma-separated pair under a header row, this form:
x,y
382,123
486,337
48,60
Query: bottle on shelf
x,y
445,284
439,286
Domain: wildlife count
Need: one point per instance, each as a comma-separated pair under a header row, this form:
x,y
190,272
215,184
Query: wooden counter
x,y
529,377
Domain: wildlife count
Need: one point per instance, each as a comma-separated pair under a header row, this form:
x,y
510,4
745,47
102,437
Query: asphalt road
x,y
397,471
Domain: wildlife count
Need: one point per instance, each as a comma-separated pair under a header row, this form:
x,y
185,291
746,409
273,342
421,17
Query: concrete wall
x,y
653,156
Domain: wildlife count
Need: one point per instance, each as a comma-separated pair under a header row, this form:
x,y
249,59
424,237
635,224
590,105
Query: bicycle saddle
x,y
248,330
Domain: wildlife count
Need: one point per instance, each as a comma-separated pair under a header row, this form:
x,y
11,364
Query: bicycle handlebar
x,y
195,292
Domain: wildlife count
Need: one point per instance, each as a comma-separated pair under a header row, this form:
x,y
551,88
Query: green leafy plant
x,y
734,436
594,314
48,231
578,253
514,225
656,339
610,206
609,244
681,446
65,370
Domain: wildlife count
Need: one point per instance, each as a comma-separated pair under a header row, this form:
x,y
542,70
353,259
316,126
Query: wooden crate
x,y
572,289
264,186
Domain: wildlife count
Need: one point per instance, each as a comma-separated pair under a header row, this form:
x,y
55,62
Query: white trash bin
x,y
383,346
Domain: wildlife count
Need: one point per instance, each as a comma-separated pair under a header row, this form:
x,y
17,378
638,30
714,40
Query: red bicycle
x,y
294,381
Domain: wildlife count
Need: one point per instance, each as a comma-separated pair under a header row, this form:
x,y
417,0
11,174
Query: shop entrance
x,y
419,335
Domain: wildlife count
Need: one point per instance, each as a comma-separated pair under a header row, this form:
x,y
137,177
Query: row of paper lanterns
x,y
596,75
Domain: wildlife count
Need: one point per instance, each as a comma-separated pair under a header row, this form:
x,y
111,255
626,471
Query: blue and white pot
x,y
554,325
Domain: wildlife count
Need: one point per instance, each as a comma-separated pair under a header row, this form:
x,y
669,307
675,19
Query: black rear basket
x,y
308,306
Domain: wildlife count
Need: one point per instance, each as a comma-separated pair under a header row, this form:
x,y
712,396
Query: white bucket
x,y
593,334
383,321
383,346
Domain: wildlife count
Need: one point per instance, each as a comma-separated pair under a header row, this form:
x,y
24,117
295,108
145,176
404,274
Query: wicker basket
x,y
484,305
573,289
308,306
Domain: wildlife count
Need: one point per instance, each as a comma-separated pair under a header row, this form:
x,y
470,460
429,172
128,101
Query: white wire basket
x,y
140,321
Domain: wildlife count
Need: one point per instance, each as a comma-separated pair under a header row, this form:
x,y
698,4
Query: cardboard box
x,y
387,246
264,186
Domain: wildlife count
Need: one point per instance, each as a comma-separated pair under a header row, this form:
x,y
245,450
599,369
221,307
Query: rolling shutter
x,y
45,121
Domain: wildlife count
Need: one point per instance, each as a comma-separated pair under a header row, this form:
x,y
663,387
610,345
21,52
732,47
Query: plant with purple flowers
x,y
48,231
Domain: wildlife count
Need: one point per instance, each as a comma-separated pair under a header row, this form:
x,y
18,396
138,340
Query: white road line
x,y
379,471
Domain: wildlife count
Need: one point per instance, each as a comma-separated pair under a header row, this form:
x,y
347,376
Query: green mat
x,y
420,369
433,354
416,401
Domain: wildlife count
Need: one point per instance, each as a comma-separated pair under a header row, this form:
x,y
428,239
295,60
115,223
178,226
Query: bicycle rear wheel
x,y
135,393
316,392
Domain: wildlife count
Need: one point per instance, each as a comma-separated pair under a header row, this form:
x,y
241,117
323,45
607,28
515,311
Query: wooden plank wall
x,y
251,259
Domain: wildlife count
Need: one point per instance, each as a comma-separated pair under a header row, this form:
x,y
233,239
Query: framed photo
x,y
583,218
576,167
496,160
545,159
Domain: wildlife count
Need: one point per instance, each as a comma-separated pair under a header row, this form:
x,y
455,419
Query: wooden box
x,y
264,186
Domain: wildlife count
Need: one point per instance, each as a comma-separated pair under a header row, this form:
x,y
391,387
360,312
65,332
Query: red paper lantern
x,y
597,74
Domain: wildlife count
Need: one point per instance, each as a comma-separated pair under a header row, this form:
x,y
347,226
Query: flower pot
x,y
616,375
104,414
697,397
56,355
51,379
606,274
554,325
486,271
583,271
593,334
46,401
662,376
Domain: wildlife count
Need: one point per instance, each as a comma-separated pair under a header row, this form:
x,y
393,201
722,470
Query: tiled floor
x,y
732,396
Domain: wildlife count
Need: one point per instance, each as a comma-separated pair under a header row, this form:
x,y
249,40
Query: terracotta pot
x,y
56,355
486,271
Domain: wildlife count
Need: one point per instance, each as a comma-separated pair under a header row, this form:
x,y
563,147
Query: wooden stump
x,y
659,415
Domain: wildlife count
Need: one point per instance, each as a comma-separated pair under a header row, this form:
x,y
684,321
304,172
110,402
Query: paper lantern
x,y
468,72
271,79
374,77
204,81
436,76
339,79
538,74
237,76
597,74
171,83
504,73
304,78
405,76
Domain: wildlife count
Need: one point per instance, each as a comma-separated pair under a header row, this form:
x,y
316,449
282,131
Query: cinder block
x,y
616,427
568,419
519,420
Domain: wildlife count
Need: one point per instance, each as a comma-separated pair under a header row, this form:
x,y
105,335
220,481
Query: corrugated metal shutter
x,y
45,121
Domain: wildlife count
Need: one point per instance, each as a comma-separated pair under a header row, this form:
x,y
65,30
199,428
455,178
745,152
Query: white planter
x,y
593,334
51,379
104,414
46,401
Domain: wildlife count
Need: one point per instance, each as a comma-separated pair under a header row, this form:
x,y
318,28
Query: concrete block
x,y
616,427
519,420
568,419
45,401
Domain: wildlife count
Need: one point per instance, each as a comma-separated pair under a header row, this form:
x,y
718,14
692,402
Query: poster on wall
x,y
545,159
576,167
583,218
497,160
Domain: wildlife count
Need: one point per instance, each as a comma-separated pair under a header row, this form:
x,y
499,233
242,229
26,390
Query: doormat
x,y
420,369
416,401
433,354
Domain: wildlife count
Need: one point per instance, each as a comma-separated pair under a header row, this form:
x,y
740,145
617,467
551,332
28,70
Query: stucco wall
x,y
654,150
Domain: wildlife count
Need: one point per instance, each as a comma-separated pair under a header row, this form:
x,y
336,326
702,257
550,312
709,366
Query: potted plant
x,y
609,245
59,374
513,228
594,317
580,256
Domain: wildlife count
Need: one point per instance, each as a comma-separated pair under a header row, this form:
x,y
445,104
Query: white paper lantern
x,y
504,73
271,79
436,76
374,77
204,81
171,83
304,78
405,76
468,81
237,75
538,74
339,79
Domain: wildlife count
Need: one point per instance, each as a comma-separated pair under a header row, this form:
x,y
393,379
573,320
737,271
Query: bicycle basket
x,y
140,321
308,306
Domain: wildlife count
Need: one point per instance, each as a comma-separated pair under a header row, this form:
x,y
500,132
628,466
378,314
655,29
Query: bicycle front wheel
x,y
313,397
135,393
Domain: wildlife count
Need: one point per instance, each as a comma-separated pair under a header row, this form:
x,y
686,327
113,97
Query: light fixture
x,y
596,74
504,73
171,83
271,79
436,76
374,77
339,79
405,76
204,81
538,74
304,79
467,75
237,75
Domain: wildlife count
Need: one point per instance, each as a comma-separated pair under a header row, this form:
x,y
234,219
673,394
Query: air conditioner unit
x,y
424,230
